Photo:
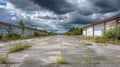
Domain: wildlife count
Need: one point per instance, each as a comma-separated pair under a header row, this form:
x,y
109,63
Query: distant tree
x,y
21,24
74,31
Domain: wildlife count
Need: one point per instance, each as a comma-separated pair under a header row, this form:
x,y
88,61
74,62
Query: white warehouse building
x,y
97,28
6,28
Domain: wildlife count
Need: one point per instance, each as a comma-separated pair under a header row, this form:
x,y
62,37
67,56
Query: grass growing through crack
x,y
4,59
18,47
89,59
111,62
61,59
88,44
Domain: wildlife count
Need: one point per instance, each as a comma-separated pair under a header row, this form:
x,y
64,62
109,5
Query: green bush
x,y
109,36
112,34
18,47
14,36
101,39
36,34
4,37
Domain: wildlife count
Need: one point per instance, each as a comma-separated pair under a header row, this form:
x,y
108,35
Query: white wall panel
x,y
90,31
98,29
110,24
84,32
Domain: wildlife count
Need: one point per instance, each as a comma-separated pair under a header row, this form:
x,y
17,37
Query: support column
x,y
117,23
93,30
104,25
86,31
22,30
10,29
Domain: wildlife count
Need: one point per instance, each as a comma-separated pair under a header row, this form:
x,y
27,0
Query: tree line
x,y
74,31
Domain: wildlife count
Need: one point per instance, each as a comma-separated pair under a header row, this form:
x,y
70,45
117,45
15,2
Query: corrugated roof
x,y
104,21
8,24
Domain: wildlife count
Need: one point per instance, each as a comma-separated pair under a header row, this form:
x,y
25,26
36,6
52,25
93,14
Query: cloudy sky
x,y
57,15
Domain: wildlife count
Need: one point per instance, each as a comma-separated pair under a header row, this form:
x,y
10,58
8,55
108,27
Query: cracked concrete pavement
x,y
45,50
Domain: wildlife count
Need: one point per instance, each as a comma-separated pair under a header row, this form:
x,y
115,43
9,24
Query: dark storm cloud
x,y
99,6
57,6
52,17
5,16
63,6
79,13
80,19
104,6
25,5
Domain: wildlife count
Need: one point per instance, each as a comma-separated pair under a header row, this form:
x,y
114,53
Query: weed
x,y
96,62
111,62
118,62
4,59
90,58
88,44
61,59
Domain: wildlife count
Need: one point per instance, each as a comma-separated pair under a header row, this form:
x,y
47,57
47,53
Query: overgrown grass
x,y
4,59
18,47
111,62
106,40
14,36
100,39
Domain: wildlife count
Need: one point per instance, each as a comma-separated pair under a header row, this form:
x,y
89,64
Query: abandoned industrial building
x,y
97,28
6,28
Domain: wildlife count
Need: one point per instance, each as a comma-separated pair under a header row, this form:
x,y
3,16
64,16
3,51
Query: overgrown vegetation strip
x,y
17,47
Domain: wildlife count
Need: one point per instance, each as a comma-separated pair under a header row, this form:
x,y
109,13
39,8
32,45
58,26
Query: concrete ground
x,y
45,50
